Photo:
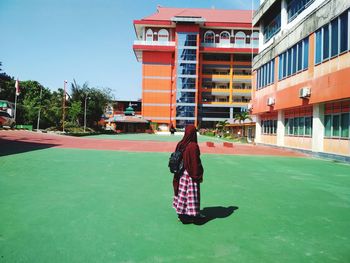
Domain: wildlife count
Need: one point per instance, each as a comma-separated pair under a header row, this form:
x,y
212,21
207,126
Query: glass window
x,y
344,32
280,67
291,126
301,126
209,37
289,62
187,69
274,126
185,111
345,125
185,97
286,126
186,83
318,49
305,53
296,126
285,61
240,39
328,125
335,125
225,38
334,37
295,56
308,125
267,73
273,71
325,42
273,26
163,35
300,56
149,35
187,54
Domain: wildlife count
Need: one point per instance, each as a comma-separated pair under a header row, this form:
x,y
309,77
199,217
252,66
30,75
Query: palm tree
x,y
220,126
241,118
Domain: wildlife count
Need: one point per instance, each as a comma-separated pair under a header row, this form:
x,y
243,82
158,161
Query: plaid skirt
x,y
187,202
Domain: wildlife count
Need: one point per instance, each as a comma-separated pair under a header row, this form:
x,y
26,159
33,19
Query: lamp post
x,y
38,123
86,97
64,104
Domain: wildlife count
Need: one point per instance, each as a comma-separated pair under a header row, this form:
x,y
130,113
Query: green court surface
x,y
71,205
151,137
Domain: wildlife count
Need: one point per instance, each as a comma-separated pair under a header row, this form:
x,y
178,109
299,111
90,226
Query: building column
x,y
317,127
284,15
258,129
231,113
280,128
261,36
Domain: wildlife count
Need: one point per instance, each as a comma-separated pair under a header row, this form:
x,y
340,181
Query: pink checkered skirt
x,y
187,202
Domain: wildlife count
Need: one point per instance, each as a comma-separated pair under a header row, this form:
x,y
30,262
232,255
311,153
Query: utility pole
x,y
64,104
38,123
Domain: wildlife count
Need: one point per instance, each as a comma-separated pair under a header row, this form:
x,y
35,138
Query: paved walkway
x,y
17,140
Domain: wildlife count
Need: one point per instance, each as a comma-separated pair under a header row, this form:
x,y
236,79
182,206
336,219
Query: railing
x,y
154,43
229,45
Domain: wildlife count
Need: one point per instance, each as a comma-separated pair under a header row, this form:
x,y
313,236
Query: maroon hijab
x,y
190,136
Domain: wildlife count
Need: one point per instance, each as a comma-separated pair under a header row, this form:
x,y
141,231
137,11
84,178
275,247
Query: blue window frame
x,y
334,37
295,7
325,31
306,53
344,33
318,49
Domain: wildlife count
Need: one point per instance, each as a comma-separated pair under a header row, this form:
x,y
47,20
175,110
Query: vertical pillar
x,y
231,113
280,128
231,77
261,36
284,15
317,127
258,129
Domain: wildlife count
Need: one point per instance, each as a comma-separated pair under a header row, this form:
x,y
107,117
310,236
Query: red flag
x,y
17,87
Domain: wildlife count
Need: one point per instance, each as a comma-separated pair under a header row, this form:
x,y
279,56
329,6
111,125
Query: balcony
x,y
154,43
229,45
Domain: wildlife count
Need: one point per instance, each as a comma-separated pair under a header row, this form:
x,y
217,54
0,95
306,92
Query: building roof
x,y
210,15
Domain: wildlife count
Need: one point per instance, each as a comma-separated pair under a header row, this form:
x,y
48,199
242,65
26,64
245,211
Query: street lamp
x,y
64,104
86,97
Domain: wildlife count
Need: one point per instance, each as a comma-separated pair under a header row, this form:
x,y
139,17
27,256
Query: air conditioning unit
x,y
270,101
304,92
250,106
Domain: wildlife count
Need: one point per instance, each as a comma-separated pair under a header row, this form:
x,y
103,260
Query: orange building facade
x,y
301,76
196,65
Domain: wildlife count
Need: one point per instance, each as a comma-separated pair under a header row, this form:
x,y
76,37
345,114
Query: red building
x,y
196,64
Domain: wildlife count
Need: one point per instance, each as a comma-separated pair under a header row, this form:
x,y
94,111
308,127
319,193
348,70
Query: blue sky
x,y
86,40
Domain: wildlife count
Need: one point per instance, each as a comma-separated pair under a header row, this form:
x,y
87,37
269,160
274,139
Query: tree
x,y
74,112
241,118
221,127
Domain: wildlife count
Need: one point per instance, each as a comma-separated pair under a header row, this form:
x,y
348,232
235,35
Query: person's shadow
x,y
215,212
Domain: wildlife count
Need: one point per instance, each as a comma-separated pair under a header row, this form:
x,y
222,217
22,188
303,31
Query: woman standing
x,y
187,185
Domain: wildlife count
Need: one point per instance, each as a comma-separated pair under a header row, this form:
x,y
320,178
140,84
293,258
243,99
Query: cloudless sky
x,y
86,40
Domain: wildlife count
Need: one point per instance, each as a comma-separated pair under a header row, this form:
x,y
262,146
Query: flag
x,y
17,88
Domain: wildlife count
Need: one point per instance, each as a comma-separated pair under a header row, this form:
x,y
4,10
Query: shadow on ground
x,y
215,212
8,147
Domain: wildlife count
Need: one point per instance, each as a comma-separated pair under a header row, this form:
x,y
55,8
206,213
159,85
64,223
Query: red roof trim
x,y
152,22
154,48
218,24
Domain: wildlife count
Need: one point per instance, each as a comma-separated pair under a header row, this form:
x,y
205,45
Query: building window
x,y
272,28
337,120
269,126
332,39
163,35
225,37
298,122
318,49
266,74
240,39
209,37
149,35
343,19
295,7
294,59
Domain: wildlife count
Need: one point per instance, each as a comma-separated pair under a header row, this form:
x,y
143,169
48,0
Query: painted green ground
x,y
70,205
152,137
